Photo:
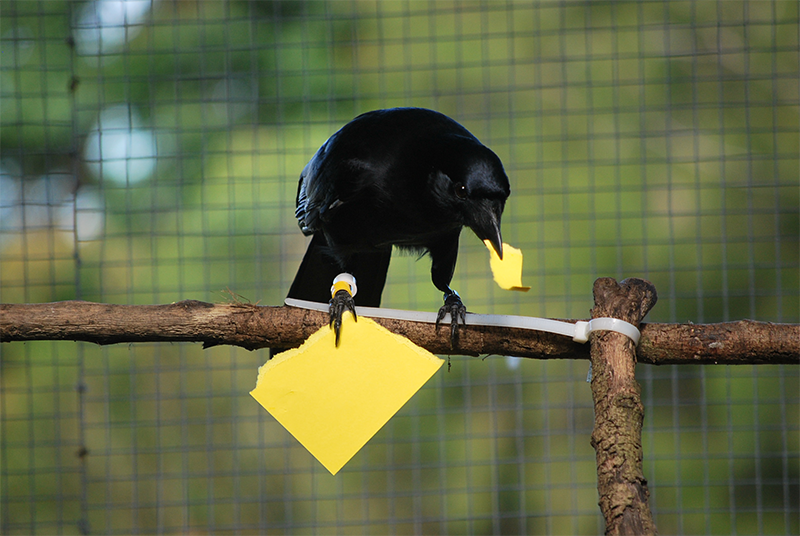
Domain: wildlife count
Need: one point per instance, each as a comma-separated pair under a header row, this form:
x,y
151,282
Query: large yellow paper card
x,y
507,271
334,399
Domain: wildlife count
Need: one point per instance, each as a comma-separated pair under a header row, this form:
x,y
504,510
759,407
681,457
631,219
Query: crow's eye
x,y
461,190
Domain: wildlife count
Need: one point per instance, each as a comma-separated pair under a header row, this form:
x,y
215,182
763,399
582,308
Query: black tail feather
x,y
316,272
315,275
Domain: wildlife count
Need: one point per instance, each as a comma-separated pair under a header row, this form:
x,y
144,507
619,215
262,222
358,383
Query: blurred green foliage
x,y
655,139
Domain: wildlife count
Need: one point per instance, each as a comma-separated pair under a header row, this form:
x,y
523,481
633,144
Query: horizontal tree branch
x,y
253,327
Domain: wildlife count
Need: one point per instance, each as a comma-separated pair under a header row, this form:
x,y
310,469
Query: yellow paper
x,y
508,271
333,400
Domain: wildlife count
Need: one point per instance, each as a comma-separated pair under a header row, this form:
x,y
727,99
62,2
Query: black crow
x,y
405,177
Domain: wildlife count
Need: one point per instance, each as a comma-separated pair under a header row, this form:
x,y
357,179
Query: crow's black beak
x,y
497,242
487,226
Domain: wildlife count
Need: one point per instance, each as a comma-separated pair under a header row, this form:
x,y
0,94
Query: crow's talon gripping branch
x,y
458,313
342,301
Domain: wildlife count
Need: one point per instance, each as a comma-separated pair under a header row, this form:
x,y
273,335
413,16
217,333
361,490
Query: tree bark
x,y
254,327
618,409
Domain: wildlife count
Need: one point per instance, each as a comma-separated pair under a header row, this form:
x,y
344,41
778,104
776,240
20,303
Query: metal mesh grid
x,y
149,153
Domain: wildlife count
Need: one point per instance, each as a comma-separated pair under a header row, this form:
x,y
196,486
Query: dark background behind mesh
x,y
149,153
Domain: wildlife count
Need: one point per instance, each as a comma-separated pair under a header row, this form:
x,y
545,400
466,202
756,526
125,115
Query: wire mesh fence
x,y
150,152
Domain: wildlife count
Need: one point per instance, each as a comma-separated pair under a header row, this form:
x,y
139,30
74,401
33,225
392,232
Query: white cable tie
x,y
579,331
617,325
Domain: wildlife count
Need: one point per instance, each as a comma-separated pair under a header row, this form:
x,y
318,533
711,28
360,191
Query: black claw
x,y
458,314
342,301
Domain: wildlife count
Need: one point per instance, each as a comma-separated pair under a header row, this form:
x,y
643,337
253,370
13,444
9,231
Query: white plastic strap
x,y
579,331
583,329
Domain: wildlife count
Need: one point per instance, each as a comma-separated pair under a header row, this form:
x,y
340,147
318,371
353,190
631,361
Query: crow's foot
x,y
455,308
342,301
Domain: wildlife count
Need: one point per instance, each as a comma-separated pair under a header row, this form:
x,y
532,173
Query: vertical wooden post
x,y
618,409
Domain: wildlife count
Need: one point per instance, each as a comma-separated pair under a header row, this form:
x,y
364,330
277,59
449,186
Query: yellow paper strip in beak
x,y
508,271
334,399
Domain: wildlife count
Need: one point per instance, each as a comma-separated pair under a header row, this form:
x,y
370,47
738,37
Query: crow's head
x,y
472,185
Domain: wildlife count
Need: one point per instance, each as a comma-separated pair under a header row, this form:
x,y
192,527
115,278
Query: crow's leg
x,y
443,264
458,314
343,290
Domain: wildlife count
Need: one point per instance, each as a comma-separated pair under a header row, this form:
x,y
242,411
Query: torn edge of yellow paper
x,y
334,399
507,271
